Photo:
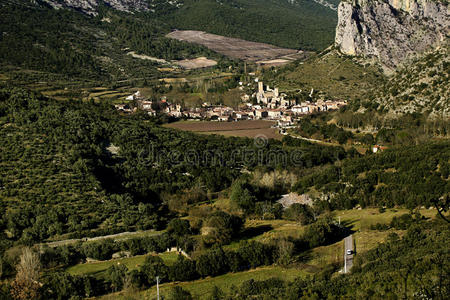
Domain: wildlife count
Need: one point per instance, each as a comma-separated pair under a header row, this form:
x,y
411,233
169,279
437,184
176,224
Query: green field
x,y
200,289
276,229
362,219
97,268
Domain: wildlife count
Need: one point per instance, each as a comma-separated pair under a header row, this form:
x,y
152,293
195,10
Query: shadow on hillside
x,y
305,256
349,224
252,232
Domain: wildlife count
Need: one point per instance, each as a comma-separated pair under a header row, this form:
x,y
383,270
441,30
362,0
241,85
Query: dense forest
x,y
304,25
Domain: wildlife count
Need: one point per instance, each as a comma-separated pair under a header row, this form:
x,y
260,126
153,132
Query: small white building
x,y
240,115
274,113
146,105
224,118
135,96
261,114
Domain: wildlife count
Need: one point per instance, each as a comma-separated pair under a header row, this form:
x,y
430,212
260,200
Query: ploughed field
x,y
237,48
251,129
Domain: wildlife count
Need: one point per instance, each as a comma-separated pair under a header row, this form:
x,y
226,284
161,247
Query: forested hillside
x,y
74,45
413,267
406,176
302,24
72,167
66,44
77,169
420,87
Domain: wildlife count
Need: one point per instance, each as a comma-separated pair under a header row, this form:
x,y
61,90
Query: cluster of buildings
x,y
270,105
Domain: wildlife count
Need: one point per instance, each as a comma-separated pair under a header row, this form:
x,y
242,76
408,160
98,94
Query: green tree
x,y
116,275
178,227
183,270
178,293
301,213
154,266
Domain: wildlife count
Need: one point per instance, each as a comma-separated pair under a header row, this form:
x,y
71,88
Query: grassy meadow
x,y
201,288
98,268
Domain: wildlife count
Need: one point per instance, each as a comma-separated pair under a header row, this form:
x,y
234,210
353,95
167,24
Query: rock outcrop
x,y
90,6
391,31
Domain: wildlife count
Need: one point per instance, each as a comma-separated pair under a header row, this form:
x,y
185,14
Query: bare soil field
x,y
235,48
249,129
196,63
270,133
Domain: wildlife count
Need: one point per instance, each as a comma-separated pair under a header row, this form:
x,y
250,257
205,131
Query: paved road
x,y
349,257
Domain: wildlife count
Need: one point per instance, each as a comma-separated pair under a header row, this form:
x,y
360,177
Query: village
x,y
270,104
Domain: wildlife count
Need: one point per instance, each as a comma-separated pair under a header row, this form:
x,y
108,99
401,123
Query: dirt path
x,y
117,236
312,140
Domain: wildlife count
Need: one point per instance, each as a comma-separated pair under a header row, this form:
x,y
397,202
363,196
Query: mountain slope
x,y
305,24
409,39
331,74
74,45
91,6
301,24
391,31
420,87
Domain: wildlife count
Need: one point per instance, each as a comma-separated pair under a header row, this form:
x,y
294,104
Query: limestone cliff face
x,y
90,6
391,31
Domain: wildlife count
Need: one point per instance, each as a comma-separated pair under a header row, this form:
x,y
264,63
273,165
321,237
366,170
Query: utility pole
x,y
157,287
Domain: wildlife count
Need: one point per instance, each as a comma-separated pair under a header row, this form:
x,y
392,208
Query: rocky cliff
x,y
90,6
391,31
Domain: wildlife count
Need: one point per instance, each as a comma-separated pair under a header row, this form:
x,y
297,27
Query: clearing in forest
x,y
237,48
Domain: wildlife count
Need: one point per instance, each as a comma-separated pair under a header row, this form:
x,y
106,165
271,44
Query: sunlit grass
x,y
200,289
132,263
